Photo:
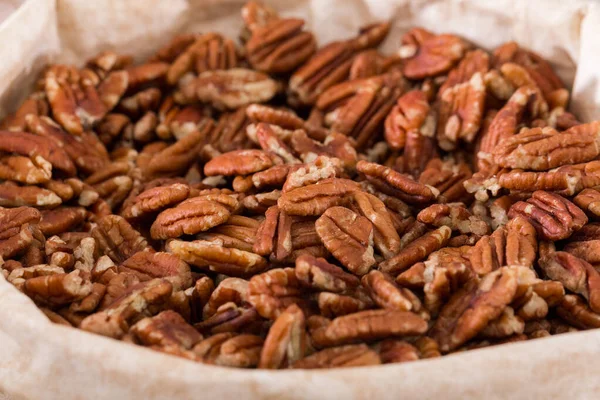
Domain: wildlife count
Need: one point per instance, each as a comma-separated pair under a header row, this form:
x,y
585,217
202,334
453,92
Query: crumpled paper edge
x,y
40,360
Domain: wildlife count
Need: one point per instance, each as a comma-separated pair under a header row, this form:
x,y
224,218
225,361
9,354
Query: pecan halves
x,y
230,350
441,280
189,217
230,89
349,237
417,250
214,256
367,325
315,199
41,151
273,291
538,69
455,216
117,238
589,200
73,97
58,289
474,61
427,54
447,176
411,113
15,232
461,112
574,273
319,274
155,199
541,149
512,244
396,184
504,124
61,220
279,46
471,308
149,265
166,329
177,158
553,216
144,300
206,52
386,294
385,237
331,64
238,162
574,311
339,357
358,108
286,341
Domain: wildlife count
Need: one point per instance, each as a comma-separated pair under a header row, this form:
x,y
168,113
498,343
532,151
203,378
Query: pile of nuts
x,y
284,205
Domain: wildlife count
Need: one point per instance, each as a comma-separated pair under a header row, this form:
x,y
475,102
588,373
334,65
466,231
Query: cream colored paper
x,y
39,360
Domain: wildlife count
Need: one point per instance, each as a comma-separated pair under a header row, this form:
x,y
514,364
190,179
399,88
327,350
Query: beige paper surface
x,y
39,360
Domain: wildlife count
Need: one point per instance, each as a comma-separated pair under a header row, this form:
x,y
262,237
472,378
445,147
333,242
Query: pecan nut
x,y
349,237
214,256
368,325
541,149
337,357
417,250
286,341
552,216
230,89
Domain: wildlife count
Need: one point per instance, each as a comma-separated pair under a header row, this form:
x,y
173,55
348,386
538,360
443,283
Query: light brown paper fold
x,y
39,360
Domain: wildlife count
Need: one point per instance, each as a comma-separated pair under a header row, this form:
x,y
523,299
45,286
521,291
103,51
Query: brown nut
x,y
552,216
397,351
338,357
166,329
471,308
368,325
117,238
541,149
61,220
155,199
349,237
147,265
411,113
286,341
273,291
279,46
428,54
335,59
396,184
513,244
416,250
385,237
230,89
214,256
455,216
239,162
315,199
574,273
142,301
15,234
230,350
461,112
386,294
58,289
319,274
574,311
190,217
